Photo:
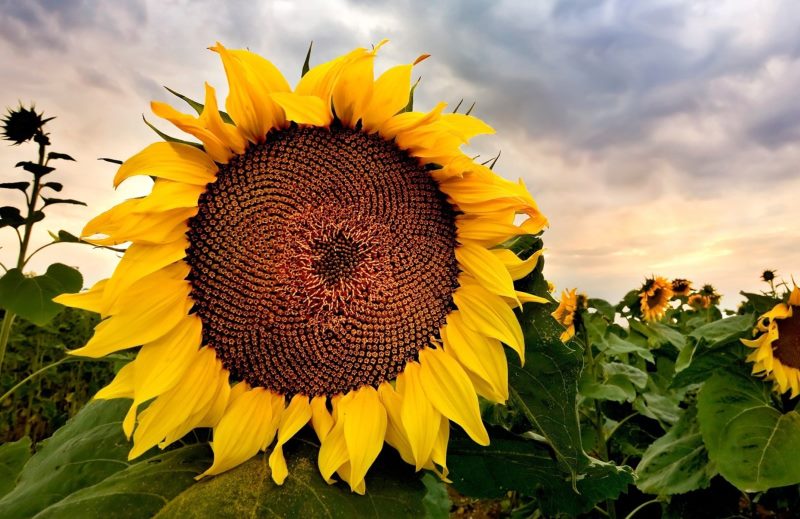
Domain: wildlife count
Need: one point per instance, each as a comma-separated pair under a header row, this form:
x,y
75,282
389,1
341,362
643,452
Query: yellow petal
x,y
91,300
487,232
296,415
309,110
481,356
195,127
364,430
321,419
228,134
156,305
167,195
451,392
333,450
140,260
486,268
389,96
439,454
395,433
486,313
466,126
251,80
517,267
174,408
171,161
161,364
240,433
121,386
409,121
353,88
420,419
124,223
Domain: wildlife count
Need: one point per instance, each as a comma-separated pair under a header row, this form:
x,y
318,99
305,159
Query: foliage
x,y
44,403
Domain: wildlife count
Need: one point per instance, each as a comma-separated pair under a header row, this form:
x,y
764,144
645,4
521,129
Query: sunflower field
x,y
325,308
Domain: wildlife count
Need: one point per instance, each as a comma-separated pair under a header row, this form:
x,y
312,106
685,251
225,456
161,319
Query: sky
x,y
659,137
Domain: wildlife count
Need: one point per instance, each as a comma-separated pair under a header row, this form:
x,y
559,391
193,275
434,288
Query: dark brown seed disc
x,y
321,261
787,346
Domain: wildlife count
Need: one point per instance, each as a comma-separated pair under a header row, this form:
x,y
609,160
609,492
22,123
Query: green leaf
x,y
436,501
705,361
31,297
89,448
600,482
759,303
615,345
306,63
615,392
753,444
197,107
140,490
13,456
636,376
66,237
509,462
603,307
169,138
393,490
55,155
10,217
668,335
677,462
55,186
52,201
22,186
36,169
725,330
410,106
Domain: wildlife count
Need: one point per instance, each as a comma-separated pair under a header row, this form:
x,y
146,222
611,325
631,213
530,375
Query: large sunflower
x,y
325,256
777,349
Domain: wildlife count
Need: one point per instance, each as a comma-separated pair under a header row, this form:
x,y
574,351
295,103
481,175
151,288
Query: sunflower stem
x,y
8,318
602,442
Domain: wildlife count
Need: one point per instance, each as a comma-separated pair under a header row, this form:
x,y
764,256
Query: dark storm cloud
x,y
604,75
52,23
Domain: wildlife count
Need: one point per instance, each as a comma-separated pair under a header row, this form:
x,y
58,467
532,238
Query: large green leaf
x,y
31,297
723,331
509,462
677,462
512,462
753,444
545,388
140,490
13,456
393,490
88,449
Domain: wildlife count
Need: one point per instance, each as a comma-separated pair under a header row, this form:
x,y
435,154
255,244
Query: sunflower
x,y
699,301
568,312
709,292
681,287
654,298
777,349
324,256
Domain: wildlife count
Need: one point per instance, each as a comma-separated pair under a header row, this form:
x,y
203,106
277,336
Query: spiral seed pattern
x,y
321,261
787,346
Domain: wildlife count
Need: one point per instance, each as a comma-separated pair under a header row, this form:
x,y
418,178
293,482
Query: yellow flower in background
x,y
709,292
654,298
681,287
699,301
324,257
568,311
777,349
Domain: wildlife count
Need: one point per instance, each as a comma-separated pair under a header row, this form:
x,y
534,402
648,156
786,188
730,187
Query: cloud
x,y
654,135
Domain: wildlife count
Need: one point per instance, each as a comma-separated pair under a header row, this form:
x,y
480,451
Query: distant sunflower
x,y
568,312
699,301
711,294
681,287
654,298
325,256
777,349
